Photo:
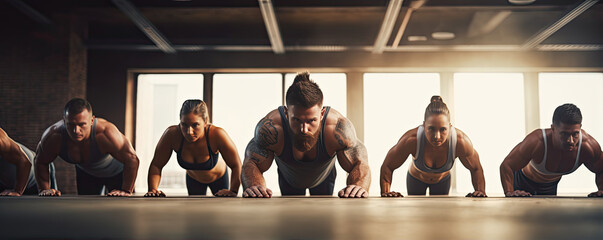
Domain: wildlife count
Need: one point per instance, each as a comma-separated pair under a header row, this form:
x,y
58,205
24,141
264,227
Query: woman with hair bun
x,y
198,144
434,146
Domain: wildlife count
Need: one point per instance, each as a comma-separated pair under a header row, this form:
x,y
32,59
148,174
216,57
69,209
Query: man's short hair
x,y
304,92
568,114
77,105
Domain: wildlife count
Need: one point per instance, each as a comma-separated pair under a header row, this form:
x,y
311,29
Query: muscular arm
x,y
395,157
470,159
229,152
595,165
119,147
258,158
518,158
46,151
352,156
162,155
12,153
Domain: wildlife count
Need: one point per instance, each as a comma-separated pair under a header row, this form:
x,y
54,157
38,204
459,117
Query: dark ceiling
x,y
477,25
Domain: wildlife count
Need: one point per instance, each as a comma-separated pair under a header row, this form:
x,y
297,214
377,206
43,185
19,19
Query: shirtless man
x,y
102,155
16,168
305,137
535,165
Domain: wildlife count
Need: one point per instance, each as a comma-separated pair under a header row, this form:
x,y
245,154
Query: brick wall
x,y
40,70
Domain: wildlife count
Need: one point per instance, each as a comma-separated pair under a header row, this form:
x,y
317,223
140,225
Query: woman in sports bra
x,y
198,144
434,146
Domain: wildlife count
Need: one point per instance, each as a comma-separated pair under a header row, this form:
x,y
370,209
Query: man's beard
x,y
303,142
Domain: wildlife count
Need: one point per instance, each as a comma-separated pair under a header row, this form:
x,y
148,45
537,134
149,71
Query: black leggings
x,y
417,187
195,187
324,188
91,185
521,182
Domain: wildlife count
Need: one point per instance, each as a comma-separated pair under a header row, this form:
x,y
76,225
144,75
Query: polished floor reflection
x,y
302,218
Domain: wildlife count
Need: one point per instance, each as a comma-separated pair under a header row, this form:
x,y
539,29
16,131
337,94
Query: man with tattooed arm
x,y
304,137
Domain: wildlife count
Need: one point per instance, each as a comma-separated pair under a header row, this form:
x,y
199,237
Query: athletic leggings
x,y
417,187
195,187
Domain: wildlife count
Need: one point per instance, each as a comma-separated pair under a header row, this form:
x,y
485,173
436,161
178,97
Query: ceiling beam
x,y
30,12
272,26
338,48
145,25
391,15
402,28
413,5
542,35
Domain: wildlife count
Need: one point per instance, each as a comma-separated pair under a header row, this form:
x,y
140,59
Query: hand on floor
x,y
10,193
50,193
119,193
353,191
518,193
392,194
596,194
226,193
476,194
257,192
155,193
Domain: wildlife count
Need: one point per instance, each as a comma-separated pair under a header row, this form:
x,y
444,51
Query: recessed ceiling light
x,y
442,35
521,2
417,38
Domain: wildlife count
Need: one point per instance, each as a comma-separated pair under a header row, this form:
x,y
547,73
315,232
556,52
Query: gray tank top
x,y
304,174
419,160
541,167
8,171
99,164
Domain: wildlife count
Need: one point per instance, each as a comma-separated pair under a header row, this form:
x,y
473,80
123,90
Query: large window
x,y
239,102
393,104
158,102
489,108
586,91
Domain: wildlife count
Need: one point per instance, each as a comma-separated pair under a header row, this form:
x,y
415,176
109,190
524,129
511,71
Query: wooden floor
x,y
301,218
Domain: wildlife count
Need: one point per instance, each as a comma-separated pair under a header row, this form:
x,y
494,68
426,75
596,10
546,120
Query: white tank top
x,y
541,167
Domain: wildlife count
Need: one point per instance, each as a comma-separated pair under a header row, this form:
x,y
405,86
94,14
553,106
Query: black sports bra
x,y
207,165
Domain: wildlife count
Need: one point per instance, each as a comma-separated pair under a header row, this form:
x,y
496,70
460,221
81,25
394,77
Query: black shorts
x,y
91,185
521,182
415,186
324,188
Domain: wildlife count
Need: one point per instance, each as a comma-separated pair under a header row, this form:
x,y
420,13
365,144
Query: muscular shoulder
x,y
104,127
409,137
5,142
532,145
464,146
216,132
269,131
217,135
408,141
107,133
172,135
590,146
52,136
339,130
